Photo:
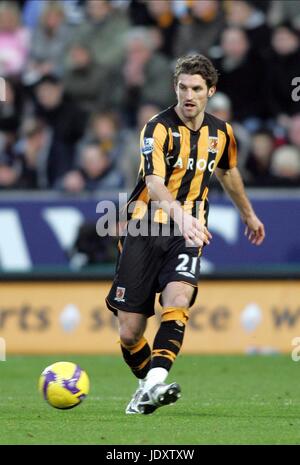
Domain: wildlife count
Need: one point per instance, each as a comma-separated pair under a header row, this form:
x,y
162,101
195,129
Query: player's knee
x,y
180,300
129,337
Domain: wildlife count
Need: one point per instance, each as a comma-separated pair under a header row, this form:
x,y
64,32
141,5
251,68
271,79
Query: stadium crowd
x,y
83,77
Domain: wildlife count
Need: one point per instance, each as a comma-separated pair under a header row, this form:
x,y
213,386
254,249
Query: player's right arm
x,y
154,148
191,228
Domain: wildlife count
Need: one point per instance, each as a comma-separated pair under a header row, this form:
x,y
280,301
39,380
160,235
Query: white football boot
x,y
131,408
158,395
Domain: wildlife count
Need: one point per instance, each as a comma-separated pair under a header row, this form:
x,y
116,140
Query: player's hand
x,y
255,230
195,233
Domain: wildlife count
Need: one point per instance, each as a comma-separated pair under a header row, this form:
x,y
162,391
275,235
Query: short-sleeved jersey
x,y
184,158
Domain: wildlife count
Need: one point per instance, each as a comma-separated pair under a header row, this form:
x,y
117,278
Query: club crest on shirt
x,y
148,145
213,144
120,293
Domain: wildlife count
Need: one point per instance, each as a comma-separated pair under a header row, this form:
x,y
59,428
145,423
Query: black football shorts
x,y
145,266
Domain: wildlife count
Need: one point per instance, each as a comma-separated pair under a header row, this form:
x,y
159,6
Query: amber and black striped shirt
x,y
186,159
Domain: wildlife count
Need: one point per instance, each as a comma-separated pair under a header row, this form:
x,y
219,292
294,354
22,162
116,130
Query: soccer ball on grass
x,y
64,385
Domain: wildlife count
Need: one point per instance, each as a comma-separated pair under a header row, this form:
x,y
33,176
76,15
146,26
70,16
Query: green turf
x,y
226,400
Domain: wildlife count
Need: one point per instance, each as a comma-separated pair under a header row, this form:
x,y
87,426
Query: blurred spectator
x,y
165,21
203,31
90,249
42,159
49,43
7,141
85,63
140,78
74,11
95,171
285,165
103,31
85,81
62,114
259,161
219,105
139,13
105,127
32,11
282,11
10,119
122,144
14,40
250,16
8,166
294,131
11,110
241,77
8,176
282,66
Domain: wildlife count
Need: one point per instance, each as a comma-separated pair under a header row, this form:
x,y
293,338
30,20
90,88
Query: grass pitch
x,y
226,400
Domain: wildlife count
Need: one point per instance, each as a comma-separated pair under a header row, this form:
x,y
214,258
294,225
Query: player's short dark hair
x,y
197,64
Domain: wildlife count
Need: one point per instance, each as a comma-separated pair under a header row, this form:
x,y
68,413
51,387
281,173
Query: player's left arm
x,y
233,185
